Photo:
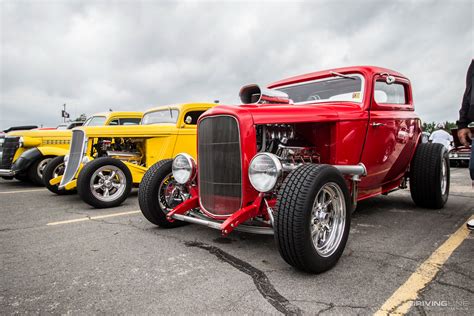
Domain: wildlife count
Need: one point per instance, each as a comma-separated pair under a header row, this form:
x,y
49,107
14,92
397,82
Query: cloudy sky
x,y
128,55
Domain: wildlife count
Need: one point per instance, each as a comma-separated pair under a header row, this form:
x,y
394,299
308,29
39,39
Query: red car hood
x,y
292,113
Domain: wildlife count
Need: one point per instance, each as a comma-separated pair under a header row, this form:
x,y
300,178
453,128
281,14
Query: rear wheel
x,y
312,218
36,170
430,176
158,194
55,168
104,182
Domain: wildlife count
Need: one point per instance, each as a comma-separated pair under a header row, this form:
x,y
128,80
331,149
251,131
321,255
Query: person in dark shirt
x,y
466,115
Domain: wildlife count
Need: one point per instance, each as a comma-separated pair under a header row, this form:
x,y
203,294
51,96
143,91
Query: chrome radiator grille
x,y
219,160
76,151
8,149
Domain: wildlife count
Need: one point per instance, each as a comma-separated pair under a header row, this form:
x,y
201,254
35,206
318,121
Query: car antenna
x,y
341,75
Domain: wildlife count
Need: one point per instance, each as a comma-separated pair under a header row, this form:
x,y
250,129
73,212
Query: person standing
x,y
466,116
442,137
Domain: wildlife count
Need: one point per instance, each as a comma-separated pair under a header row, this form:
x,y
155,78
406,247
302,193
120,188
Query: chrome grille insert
x,y
76,152
220,168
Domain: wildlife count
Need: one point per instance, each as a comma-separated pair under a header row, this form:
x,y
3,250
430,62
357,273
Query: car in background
x,y
460,155
25,153
69,125
104,163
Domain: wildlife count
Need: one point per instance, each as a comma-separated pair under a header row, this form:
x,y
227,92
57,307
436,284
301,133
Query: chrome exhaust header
x,y
253,93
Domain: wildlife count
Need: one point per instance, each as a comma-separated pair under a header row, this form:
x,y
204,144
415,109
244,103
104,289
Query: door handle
x,y
374,124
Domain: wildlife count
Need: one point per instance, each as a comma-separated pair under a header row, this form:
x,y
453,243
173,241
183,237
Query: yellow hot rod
x,y
24,154
104,163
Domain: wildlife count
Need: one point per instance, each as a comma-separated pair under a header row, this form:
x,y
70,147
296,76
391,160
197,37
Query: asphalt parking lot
x,y
60,256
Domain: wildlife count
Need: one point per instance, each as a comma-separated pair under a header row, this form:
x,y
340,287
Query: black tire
x,y
35,171
148,196
54,168
294,210
88,172
426,176
23,177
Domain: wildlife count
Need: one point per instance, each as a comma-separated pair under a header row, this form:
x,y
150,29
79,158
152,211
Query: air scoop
x,y
253,93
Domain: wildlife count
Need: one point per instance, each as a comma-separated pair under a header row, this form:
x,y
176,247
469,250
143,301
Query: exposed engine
x,y
281,140
125,149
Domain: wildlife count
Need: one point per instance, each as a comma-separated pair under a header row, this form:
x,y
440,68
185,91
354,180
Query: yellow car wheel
x,y
104,182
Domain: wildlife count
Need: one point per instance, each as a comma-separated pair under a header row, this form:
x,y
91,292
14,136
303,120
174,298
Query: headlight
x,y
455,155
184,168
21,141
264,171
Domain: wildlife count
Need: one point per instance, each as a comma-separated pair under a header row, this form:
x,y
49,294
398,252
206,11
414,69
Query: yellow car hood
x,y
130,130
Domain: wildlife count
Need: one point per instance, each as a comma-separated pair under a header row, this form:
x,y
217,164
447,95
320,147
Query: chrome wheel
x,y
328,218
444,176
170,194
41,165
59,170
108,183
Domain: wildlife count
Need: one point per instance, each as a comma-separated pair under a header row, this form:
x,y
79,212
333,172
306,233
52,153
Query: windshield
x,y
327,89
161,116
95,121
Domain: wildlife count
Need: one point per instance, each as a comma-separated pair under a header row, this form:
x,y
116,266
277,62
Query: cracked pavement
x,y
126,265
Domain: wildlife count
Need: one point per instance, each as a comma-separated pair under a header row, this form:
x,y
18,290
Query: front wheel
x,y
312,218
55,168
104,182
158,194
430,176
36,170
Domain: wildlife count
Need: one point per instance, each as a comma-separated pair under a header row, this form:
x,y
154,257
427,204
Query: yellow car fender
x,y
53,151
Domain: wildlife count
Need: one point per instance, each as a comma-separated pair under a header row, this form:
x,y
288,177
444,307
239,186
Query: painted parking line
x,y
401,301
22,191
89,218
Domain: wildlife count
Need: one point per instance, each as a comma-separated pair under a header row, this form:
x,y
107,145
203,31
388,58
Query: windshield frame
x,y
333,76
162,110
86,123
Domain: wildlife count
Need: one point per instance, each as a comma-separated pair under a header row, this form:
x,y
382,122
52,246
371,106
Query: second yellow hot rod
x,y
104,163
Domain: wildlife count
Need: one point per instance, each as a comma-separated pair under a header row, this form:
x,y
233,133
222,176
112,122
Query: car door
x,y
186,141
391,135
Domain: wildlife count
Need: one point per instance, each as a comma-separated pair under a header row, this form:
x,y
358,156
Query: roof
x,y
366,70
182,106
119,113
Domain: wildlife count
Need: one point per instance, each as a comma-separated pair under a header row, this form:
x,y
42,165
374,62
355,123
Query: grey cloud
x,y
132,55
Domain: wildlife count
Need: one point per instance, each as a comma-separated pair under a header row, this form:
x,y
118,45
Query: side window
x,y
130,121
394,93
192,117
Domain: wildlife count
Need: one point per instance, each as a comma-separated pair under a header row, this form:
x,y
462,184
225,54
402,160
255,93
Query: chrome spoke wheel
x,y
328,218
108,183
42,164
58,170
170,194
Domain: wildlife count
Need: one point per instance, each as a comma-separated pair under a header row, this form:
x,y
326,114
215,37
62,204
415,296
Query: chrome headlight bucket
x,y
184,168
264,171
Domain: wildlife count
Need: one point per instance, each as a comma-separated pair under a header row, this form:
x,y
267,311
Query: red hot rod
x,y
294,159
